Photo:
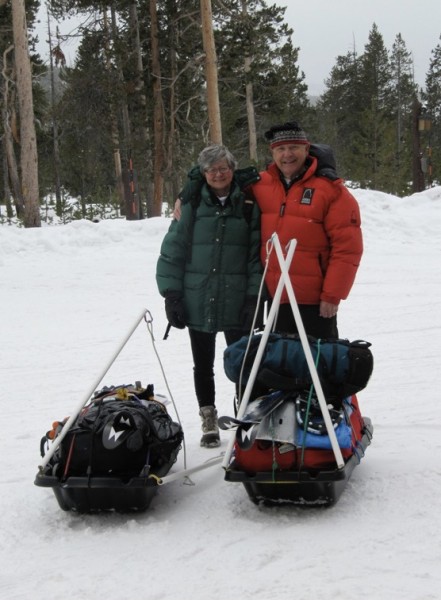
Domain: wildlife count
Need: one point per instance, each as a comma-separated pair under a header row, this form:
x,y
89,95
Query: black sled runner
x,y
112,456
304,450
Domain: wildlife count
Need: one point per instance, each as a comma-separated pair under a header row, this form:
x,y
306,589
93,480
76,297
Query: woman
x,y
209,269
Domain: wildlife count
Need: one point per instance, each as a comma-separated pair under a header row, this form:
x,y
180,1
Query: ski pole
x,y
57,441
167,331
260,350
308,354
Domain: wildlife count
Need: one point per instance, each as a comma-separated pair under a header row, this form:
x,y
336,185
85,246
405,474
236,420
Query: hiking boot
x,y
210,429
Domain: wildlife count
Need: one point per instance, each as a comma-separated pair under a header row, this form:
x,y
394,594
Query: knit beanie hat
x,y
286,133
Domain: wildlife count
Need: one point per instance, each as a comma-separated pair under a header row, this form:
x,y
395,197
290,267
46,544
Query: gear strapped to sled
x,y
285,283
124,431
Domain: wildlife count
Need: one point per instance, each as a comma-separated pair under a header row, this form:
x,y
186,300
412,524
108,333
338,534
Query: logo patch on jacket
x,y
307,196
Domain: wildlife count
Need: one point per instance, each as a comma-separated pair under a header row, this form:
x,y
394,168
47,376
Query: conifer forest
x,y
155,81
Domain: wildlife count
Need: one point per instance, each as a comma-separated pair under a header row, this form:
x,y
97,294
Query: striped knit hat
x,y
286,133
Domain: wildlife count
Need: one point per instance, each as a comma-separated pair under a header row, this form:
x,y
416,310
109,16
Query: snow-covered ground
x,y
69,295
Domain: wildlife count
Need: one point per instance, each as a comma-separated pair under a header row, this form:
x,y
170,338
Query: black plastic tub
x,y
96,494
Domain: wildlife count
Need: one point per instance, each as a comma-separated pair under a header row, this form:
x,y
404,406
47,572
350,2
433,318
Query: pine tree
x,y
367,97
339,111
86,144
375,132
432,100
403,91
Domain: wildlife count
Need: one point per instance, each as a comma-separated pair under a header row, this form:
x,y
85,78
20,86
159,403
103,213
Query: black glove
x,y
247,312
174,309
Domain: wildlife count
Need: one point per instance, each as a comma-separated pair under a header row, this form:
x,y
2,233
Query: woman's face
x,y
219,176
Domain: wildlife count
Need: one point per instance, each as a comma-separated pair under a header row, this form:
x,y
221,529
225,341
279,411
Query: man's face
x,y
290,158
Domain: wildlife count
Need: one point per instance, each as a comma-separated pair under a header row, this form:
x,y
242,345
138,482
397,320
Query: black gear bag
x,y
123,432
344,368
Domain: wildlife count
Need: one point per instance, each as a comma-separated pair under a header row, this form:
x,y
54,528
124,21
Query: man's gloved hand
x,y
174,309
247,312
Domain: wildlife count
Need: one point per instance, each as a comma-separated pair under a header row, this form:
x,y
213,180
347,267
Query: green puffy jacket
x,y
211,256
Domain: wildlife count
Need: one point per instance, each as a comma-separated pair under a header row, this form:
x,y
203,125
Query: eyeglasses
x,y
221,170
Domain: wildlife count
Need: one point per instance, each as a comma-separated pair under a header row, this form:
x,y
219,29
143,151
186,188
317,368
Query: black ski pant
x,y
315,325
203,348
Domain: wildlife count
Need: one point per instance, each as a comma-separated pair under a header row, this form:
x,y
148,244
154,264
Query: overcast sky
x,y
324,30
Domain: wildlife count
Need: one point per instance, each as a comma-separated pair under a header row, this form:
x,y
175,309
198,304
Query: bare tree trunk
x,y
130,206
141,133
127,140
113,119
55,141
28,141
214,118
6,188
158,116
171,172
252,135
418,184
11,170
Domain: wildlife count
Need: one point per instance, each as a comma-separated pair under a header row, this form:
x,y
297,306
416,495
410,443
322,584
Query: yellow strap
x,y
156,478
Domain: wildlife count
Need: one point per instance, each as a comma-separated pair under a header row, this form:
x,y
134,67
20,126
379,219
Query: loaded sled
x,y
112,452
277,463
300,441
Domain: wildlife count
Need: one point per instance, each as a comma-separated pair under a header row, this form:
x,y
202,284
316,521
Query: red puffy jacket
x,y
324,218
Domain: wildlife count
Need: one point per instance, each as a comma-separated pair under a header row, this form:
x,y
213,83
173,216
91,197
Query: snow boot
x,y
210,429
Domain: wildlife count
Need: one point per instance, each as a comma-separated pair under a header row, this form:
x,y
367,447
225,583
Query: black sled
x,y
114,453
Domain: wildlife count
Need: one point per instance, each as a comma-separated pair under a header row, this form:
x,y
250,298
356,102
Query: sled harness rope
x,y
269,248
146,315
308,408
149,324
186,472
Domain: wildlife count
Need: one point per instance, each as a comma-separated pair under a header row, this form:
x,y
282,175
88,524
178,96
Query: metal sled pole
x,y
308,355
186,472
57,441
261,347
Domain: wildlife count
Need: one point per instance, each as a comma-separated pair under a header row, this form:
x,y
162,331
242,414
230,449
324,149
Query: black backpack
x,y
122,432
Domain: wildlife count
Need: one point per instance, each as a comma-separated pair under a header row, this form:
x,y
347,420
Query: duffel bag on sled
x,y
283,443
344,368
121,441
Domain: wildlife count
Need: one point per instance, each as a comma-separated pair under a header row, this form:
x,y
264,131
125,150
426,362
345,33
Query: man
x,y
323,216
